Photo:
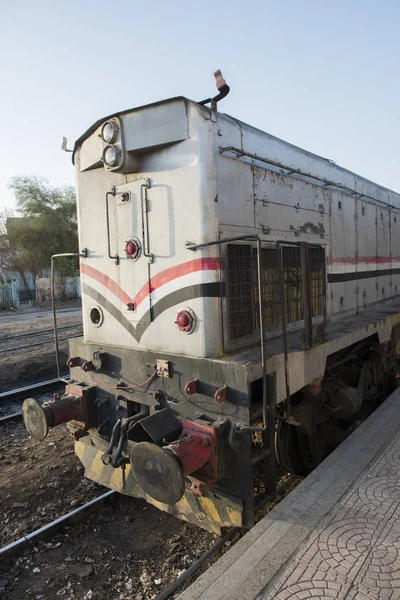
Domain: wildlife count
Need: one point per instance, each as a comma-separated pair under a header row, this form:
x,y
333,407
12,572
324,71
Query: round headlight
x,y
110,156
109,132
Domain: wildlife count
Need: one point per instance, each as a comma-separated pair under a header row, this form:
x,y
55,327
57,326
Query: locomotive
x,y
240,308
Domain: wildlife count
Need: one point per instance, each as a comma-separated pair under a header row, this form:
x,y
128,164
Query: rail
x,y
21,393
39,387
42,343
7,338
196,565
79,512
86,509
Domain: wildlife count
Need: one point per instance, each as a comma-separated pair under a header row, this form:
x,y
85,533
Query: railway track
x,y
16,343
74,515
27,545
80,513
197,565
10,406
84,511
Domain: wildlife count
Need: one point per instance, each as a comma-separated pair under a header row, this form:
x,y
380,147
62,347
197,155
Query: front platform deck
x,y
305,366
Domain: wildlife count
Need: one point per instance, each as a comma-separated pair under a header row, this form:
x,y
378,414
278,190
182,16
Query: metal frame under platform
x,y
337,535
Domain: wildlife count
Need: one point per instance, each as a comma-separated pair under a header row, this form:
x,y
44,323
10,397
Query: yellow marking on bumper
x,y
79,450
96,467
209,508
235,516
209,512
118,478
183,506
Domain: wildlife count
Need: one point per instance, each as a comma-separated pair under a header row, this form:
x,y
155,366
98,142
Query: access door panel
x,y
342,260
367,253
383,254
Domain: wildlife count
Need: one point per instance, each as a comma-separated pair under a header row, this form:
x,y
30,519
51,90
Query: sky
x,y
323,75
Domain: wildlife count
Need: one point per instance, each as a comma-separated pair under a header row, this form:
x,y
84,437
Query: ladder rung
x,y
265,453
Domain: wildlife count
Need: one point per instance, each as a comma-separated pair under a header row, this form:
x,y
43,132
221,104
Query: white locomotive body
x,y
172,146
201,237
213,179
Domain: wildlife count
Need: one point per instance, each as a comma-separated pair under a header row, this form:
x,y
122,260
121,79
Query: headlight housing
x,y
109,132
110,156
113,152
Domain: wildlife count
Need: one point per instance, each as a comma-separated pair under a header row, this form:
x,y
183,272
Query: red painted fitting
x,y
313,388
185,321
67,408
191,387
220,395
132,249
88,366
191,452
195,448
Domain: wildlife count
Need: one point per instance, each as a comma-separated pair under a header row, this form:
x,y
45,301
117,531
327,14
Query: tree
x,y
45,224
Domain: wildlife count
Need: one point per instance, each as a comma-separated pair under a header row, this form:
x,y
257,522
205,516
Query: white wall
x,y
65,288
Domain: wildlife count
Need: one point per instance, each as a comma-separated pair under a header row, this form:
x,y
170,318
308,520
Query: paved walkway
x,y
337,535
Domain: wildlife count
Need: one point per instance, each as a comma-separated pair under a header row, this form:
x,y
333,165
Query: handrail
x,y
306,307
307,316
257,239
293,170
83,253
114,257
145,219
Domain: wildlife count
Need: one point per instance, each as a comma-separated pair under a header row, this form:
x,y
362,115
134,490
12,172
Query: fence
x,y
9,297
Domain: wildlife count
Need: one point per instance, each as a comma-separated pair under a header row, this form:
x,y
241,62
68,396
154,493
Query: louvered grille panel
x,y
316,261
239,290
242,287
271,293
291,263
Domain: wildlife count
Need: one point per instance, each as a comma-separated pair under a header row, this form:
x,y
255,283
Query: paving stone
x,y
336,536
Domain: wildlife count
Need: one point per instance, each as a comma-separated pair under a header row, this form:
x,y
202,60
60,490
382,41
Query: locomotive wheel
x,y
385,367
287,448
